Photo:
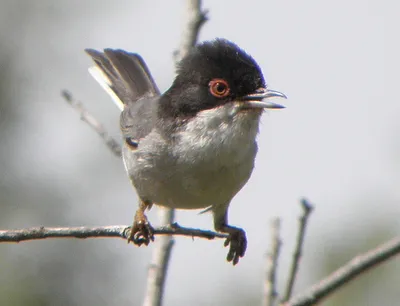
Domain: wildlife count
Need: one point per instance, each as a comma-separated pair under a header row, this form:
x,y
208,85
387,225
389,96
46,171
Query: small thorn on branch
x,y
307,207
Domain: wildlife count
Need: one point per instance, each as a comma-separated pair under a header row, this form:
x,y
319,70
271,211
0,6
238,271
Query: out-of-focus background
x,y
337,143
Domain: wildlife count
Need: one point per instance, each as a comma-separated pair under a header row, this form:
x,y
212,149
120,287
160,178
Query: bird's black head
x,y
212,74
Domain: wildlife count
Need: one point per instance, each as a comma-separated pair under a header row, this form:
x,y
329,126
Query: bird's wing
x,y
138,119
127,79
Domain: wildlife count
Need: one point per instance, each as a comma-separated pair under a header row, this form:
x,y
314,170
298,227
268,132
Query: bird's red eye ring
x,y
219,88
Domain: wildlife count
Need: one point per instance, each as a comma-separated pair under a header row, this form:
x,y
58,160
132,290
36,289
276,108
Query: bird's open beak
x,y
257,99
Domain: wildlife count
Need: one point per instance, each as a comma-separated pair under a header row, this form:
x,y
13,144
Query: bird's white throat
x,y
226,131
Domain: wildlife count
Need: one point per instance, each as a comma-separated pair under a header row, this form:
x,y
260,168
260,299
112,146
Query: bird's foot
x,y
237,242
141,232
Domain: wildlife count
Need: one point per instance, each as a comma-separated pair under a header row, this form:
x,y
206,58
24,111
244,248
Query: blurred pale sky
x,y
336,143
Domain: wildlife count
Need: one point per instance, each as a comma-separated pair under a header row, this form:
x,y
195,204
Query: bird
x,y
194,146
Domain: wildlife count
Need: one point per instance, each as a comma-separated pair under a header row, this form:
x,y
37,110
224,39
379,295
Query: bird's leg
x,y
141,231
237,237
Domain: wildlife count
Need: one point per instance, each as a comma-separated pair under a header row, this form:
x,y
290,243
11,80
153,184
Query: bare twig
x,y
110,142
158,269
346,273
270,293
115,231
195,17
307,209
162,252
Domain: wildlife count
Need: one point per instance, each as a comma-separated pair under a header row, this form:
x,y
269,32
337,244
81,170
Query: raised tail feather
x,y
123,75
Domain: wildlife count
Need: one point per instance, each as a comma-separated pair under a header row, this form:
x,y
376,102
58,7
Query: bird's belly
x,y
191,183
208,163
192,179
202,185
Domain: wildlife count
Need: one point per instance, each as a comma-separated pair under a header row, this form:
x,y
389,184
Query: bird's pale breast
x,y
207,164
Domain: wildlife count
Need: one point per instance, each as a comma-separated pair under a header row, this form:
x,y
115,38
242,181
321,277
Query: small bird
x,y
194,146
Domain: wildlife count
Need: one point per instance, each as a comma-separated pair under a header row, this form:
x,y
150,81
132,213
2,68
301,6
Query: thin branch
x,y
162,252
110,142
346,273
158,269
114,231
196,17
270,293
307,209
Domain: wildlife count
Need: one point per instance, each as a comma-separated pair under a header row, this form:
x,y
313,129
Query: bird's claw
x,y
238,244
141,233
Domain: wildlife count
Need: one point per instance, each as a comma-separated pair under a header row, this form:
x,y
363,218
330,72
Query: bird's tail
x,y
124,76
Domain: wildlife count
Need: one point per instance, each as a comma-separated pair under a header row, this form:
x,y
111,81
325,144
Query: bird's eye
x,y
132,143
219,88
